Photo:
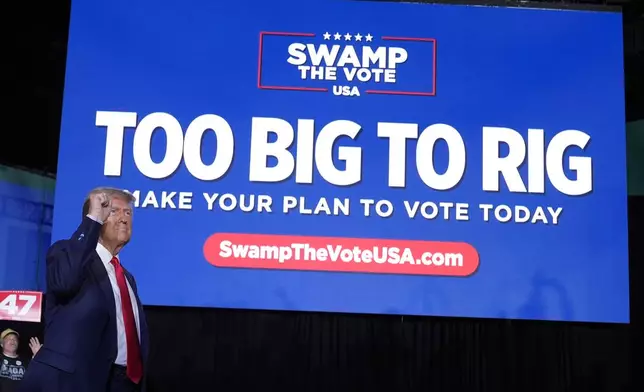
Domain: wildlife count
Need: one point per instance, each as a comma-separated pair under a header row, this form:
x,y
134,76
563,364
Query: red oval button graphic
x,y
381,256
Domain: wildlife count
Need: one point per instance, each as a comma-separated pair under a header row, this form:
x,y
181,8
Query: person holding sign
x,y
96,334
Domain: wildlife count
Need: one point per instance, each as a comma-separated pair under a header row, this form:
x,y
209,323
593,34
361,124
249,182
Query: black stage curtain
x,y
226,350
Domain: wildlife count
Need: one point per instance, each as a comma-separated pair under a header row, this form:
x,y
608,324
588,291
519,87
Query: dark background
x,y
223,350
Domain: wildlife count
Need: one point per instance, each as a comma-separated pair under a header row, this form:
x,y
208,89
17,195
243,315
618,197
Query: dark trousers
x,y
119,382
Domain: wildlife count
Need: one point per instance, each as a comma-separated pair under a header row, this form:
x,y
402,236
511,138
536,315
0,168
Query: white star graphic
x,y
337,36
368,37
358,37
326,36
347,37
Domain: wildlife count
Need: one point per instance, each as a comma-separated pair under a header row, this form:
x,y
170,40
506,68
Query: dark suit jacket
x,y
80,319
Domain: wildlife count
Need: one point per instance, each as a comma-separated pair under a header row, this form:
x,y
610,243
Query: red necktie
x,y
134,368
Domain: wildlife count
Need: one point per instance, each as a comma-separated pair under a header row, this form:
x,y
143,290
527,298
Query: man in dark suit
x,y
96,337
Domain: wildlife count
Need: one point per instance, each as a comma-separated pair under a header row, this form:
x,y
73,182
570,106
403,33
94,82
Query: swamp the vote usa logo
x,y
347,63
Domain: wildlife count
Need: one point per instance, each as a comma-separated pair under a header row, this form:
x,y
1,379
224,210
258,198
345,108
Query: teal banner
x,y
26,210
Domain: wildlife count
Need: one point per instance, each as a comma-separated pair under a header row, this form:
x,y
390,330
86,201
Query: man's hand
x,y
34,345
100,206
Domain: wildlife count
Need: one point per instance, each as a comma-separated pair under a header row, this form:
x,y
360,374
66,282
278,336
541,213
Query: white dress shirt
x,y
106,258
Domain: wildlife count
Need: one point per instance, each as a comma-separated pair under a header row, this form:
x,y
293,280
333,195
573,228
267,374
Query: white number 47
x,y
9,304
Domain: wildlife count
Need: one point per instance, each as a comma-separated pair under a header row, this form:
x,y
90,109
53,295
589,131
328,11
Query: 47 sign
x,y
21,306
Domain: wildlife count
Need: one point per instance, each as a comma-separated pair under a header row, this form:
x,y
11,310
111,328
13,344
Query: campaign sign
x,y
363,157
21,306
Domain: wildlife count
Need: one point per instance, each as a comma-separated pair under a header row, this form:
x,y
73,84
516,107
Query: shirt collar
x,y
104,254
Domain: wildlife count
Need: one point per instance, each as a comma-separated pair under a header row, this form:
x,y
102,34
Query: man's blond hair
x,y
110,192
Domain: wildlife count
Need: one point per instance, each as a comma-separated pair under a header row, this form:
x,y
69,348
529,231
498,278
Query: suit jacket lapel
x,y
100,274
142,322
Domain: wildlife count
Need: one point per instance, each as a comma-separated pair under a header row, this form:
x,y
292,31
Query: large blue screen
x,y
362,157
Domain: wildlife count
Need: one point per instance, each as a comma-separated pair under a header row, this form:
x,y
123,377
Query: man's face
x,y
117,229
10,343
